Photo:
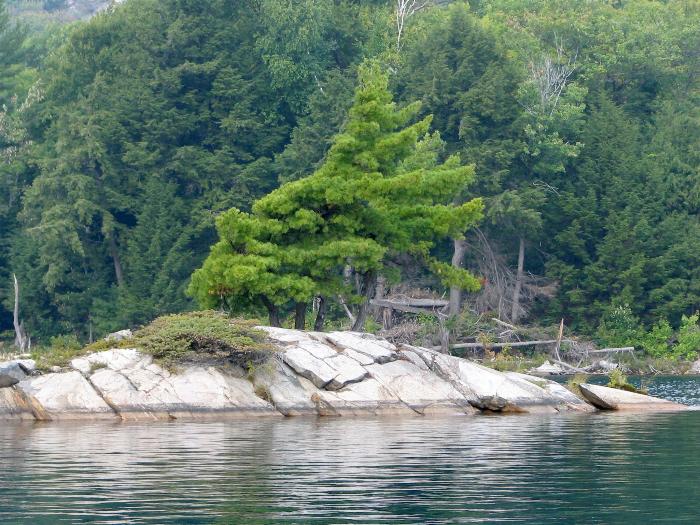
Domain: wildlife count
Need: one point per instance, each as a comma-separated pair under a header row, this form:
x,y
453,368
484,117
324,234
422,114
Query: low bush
x,y
574,383
173,339
202,336
617,379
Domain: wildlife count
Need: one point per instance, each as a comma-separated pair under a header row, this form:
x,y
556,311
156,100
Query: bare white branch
x,y
550,77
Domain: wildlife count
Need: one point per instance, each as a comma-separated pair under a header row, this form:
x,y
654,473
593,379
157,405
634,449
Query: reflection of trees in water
x,y
617,468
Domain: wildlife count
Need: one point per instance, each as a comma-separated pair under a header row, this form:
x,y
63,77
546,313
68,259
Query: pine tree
x,y
364,204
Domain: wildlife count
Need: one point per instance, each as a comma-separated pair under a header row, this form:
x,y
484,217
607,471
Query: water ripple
x,y
618,468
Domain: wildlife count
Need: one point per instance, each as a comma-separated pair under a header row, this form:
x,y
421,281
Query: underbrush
x,y
505,361
574,383
194,337
617,379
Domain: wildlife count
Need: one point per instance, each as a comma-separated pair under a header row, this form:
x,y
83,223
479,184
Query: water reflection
x,y
631,468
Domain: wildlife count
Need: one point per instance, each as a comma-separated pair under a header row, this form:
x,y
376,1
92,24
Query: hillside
x,y
531,161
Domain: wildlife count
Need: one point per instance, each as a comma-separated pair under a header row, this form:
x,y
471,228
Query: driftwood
x,y
558,345
346,309
503,345
414,306
612,350
504,324
570,367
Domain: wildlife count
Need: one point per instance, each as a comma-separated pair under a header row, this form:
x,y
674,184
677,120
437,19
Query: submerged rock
x,y
614,399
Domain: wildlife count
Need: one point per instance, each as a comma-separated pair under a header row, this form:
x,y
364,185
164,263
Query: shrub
x,y
574,383
202,336
182,338
688,338
620,327
618,379
656,342
61,350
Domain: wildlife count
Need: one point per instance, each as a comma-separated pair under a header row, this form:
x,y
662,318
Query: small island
x,y
171,371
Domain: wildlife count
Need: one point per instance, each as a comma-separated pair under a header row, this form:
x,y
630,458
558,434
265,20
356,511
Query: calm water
x,y
629,469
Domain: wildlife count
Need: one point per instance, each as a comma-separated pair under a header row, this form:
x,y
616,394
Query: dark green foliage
x,y
380,192
125,137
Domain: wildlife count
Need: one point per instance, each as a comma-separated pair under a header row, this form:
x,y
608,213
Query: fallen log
x,y
612,350
571,367
429,309
513,344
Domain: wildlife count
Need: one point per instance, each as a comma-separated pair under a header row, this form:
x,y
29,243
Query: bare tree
x,y
22,341
550,77
405,9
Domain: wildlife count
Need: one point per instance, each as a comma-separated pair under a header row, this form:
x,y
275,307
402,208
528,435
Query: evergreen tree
x,y
366,202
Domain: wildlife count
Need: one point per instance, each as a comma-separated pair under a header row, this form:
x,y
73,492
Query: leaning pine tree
x,y
378,194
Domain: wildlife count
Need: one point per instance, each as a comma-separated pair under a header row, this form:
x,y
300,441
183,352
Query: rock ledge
x,y
320,374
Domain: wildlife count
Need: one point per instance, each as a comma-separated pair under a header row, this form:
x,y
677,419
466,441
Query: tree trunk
x,y
273,311
369,283
21,339
300,316
114,252
515,312
456,292
379,293
321,315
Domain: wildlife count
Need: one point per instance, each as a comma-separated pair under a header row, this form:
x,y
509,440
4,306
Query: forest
x,y
537,161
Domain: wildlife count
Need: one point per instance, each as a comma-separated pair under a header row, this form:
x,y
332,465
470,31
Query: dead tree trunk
x,y
300,316
515,312
21,339
321,315
455,291
114,252
369,284
379,293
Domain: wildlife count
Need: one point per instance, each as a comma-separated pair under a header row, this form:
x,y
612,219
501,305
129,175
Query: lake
x,y
604,468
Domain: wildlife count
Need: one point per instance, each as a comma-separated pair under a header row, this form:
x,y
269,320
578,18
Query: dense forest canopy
x,y
125,137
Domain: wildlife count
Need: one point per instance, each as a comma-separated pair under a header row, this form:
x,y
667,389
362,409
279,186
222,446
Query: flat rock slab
x,y
379,352
367,398
323,365
614,399
552,391
116,359
65,396
147,391
283,335
421,390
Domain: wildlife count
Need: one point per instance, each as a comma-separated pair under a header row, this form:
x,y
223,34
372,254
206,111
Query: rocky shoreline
x,y
309,374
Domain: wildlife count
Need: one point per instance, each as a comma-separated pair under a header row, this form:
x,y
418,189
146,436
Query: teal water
x,y
606,468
